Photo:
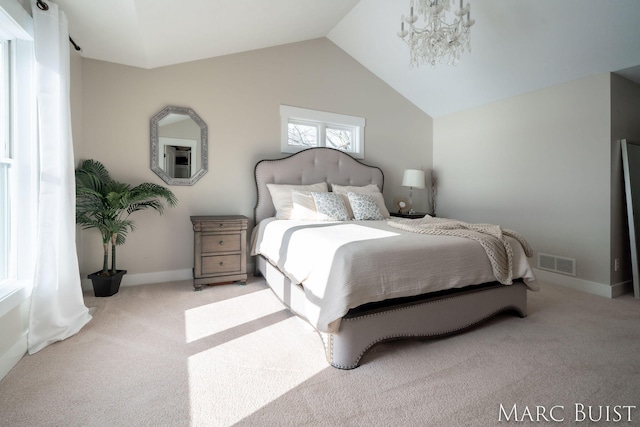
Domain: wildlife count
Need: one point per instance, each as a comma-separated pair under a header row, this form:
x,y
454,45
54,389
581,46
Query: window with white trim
x,y
302,128
18,148
5,162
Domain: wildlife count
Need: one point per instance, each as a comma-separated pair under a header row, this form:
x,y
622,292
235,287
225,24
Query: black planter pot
x,y
105,286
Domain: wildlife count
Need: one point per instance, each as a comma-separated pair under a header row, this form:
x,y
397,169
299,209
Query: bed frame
x,y
428,315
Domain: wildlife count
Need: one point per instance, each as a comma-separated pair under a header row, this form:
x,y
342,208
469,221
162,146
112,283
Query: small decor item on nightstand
x,y
402,205
220,249
434,192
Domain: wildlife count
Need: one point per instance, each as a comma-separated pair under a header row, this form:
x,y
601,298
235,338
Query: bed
x,y
360,282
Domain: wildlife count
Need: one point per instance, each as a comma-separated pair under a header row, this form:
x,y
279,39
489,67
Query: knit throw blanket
x,y
491,237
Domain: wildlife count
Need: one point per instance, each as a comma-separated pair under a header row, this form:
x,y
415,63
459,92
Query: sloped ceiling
x,y
155,33
517,46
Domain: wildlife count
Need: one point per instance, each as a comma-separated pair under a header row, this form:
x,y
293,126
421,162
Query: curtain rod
x,y
43,6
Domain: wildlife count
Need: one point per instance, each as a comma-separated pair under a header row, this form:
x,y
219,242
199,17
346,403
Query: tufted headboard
x,y
309,167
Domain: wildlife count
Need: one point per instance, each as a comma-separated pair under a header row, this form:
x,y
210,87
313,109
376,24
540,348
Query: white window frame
x,y
321,120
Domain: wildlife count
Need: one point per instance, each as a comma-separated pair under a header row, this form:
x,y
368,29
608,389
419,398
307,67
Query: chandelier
x,y
438,40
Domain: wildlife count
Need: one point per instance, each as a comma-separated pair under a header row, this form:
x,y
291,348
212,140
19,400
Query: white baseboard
x,y
14,307
12,356
601,289
146,278
157,277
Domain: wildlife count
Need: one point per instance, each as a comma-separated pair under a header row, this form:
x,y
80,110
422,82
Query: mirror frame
x,y
155,144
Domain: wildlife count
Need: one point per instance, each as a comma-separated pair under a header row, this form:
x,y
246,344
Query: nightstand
x,y
219,249
408,215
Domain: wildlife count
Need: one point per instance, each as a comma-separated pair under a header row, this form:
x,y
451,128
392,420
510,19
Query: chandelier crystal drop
x,y
438,40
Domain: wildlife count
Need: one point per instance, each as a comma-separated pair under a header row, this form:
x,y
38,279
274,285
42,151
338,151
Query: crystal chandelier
x,y
438,40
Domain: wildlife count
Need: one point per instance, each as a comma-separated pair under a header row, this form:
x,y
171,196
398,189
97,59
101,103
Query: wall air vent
x,y
557,264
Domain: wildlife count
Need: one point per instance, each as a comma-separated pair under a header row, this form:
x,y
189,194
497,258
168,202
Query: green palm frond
x,y
150,190
153,204
92,174
119,228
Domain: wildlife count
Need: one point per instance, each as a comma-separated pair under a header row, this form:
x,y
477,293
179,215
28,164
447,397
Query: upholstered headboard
x,y
309,167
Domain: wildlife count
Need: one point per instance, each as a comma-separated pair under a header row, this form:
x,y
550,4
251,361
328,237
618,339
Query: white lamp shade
x,y
413,178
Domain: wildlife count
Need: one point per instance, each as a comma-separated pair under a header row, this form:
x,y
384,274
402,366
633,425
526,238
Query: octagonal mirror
x,y
179,146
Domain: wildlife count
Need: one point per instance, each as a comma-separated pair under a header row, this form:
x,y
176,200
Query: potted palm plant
x,y
105,204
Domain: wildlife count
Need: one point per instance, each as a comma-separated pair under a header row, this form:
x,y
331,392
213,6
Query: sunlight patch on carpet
x,y
237,378
216,317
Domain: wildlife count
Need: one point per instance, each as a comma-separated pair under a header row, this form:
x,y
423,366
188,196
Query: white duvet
x,y
342,265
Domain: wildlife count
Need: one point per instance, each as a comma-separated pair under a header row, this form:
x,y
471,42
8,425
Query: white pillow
x,y
304,207
364,207
330,207
371,189
281,196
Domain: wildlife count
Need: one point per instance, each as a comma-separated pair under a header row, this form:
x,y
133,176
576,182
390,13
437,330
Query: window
x,y
18,148
5,162
303,128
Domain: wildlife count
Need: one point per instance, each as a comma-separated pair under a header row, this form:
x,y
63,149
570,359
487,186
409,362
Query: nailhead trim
x,y
389,337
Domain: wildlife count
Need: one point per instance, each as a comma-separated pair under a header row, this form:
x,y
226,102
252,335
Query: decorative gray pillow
x,y
371,189
364,207
330,207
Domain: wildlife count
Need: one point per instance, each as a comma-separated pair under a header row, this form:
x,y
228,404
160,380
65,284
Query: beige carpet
x,y
163,355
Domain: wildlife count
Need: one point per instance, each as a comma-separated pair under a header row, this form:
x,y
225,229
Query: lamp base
x,y
411,211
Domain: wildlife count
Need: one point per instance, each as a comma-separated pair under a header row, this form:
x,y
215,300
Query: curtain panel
x,y
57,306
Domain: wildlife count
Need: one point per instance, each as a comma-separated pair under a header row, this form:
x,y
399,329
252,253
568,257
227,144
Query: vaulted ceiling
x,y
517,46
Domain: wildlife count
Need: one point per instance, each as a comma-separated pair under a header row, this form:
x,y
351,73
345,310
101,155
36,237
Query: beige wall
x,y
238,96
538,163
75,86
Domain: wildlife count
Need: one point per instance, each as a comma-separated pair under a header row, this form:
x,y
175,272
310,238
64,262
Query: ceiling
x,y
517,46
155,33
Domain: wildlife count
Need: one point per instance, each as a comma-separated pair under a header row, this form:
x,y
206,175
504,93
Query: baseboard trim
x,y
157,277
622,288
147,278
601,289
12,356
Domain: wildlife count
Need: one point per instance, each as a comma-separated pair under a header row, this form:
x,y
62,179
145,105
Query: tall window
x,y
5,161
303,128
18,147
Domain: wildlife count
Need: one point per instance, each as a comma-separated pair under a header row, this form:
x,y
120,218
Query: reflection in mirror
x,y
178,146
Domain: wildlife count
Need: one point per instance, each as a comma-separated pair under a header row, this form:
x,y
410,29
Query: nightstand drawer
x,y
223,225
220,243
220,264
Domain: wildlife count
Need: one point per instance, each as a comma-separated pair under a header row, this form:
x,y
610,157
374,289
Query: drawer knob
x,y
221,262
221,225
221,242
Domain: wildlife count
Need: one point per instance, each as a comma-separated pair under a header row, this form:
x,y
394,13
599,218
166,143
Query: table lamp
x,y
413,178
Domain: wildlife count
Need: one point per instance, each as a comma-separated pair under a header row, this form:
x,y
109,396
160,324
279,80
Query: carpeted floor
x,y
163,355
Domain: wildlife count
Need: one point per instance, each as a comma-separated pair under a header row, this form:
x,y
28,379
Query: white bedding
x,y
342,265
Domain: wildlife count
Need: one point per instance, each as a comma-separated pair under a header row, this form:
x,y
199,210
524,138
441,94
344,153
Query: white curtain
x,y
57,306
